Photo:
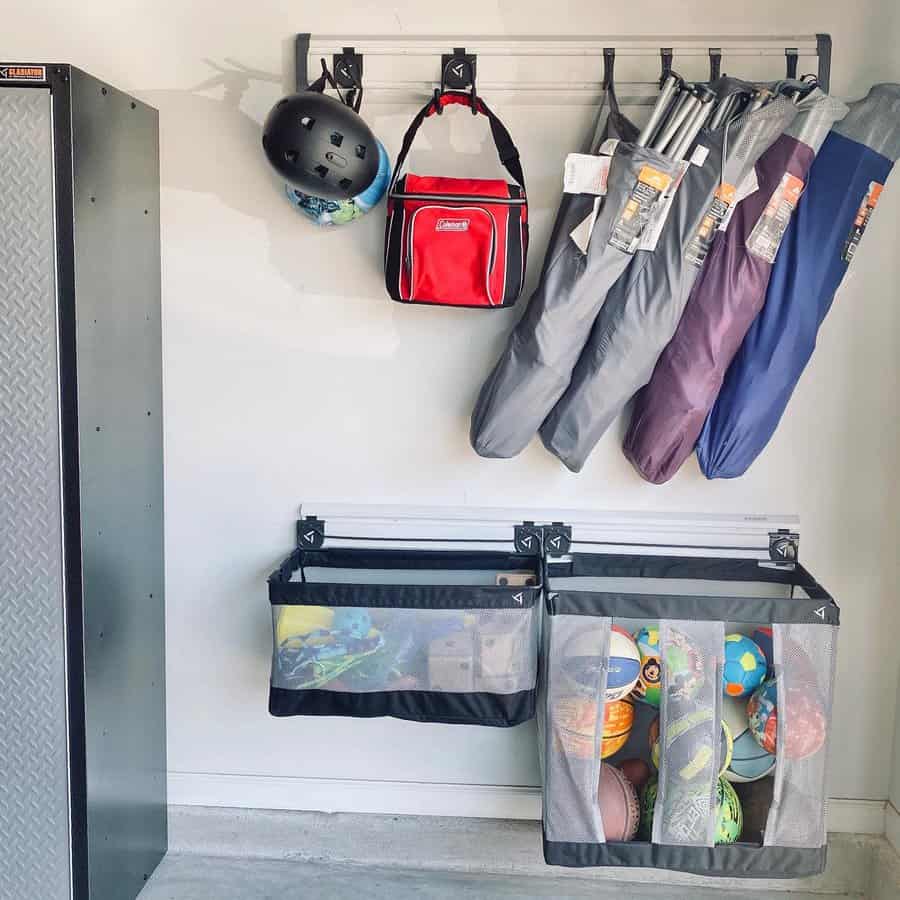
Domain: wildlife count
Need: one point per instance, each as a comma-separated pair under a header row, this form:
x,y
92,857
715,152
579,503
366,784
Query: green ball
x,y
730,820
686,805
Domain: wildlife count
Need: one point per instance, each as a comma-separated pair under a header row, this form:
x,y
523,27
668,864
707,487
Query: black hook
x,y
458,73
666,55
715,63
609,64
792,56
348,68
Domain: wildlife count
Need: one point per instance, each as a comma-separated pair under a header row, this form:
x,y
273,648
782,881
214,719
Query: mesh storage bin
x,y
725,728
433,636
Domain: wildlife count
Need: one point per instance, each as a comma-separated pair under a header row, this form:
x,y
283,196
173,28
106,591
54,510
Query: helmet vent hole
x,y
361,151
337,138
321,171
345,183
291,156
307,122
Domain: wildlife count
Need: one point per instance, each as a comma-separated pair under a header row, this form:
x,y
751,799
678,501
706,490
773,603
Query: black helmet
x,y
320,145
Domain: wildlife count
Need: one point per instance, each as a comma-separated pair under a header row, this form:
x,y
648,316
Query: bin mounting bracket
x,y
784,546
310,532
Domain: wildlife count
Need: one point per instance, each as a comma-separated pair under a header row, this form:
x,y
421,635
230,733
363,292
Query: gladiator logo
x,y
820,612
527,541
458,69
23,73
554,542
309,537
519,598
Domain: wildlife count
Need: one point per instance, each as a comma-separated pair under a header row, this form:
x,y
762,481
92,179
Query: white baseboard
x,y
892,825
404,798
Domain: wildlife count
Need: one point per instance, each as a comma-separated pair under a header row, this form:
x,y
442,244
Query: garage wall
x,y
290,377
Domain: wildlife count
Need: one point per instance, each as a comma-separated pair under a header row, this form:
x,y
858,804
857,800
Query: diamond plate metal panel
x,y
34,827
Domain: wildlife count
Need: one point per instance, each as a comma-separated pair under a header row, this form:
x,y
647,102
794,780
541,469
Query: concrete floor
x,y
190,877
231,854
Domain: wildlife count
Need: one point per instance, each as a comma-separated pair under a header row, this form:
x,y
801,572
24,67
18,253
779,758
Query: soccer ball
x,y
745,666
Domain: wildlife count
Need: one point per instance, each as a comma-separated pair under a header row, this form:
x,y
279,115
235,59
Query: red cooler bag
x,y
457,241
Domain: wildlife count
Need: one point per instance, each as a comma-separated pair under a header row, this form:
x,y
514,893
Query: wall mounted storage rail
x,y
562,69
335,525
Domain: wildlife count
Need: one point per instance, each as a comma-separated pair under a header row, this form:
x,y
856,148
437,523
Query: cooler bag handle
x,y
506,149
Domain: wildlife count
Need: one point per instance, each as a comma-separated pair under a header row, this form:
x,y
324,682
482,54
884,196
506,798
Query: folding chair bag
x,y
719,706
432,636
457,241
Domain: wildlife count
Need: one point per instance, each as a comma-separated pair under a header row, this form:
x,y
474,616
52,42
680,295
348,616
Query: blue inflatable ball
x,y
745,666
352,621
327,212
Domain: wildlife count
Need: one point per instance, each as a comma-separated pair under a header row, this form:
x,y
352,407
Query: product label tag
x,y
586,174
22,73
866,208
629,227
699,245
747,187
698,157
765,239
581,234
660,211
608,147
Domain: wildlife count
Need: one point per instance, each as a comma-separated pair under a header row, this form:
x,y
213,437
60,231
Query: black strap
x,y
354,95
506,149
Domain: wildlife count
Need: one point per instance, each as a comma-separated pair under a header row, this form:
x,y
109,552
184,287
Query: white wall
x,y
290,376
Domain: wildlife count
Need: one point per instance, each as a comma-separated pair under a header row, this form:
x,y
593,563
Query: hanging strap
x,y
354,95
506,149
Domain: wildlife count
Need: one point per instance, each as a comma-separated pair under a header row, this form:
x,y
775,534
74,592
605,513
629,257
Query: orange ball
x,y
618,717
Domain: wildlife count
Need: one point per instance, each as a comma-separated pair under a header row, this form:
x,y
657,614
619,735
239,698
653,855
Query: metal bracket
x,y
310,533
666,55
784,546
823,51
792,55
458,69
347,67
715,63
528,538
609,64
557,539
301,54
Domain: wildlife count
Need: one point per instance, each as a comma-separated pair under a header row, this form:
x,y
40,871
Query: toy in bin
x,y
689,753
317,645
687,811
745,666
648,685
583,662
804,712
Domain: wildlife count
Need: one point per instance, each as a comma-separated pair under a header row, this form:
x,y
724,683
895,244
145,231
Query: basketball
x,y
575,721
624,665
648,685
582,661
749,761
745,666
620,811
618,717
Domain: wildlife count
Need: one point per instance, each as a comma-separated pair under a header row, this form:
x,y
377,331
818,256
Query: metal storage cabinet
x,y
82,659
